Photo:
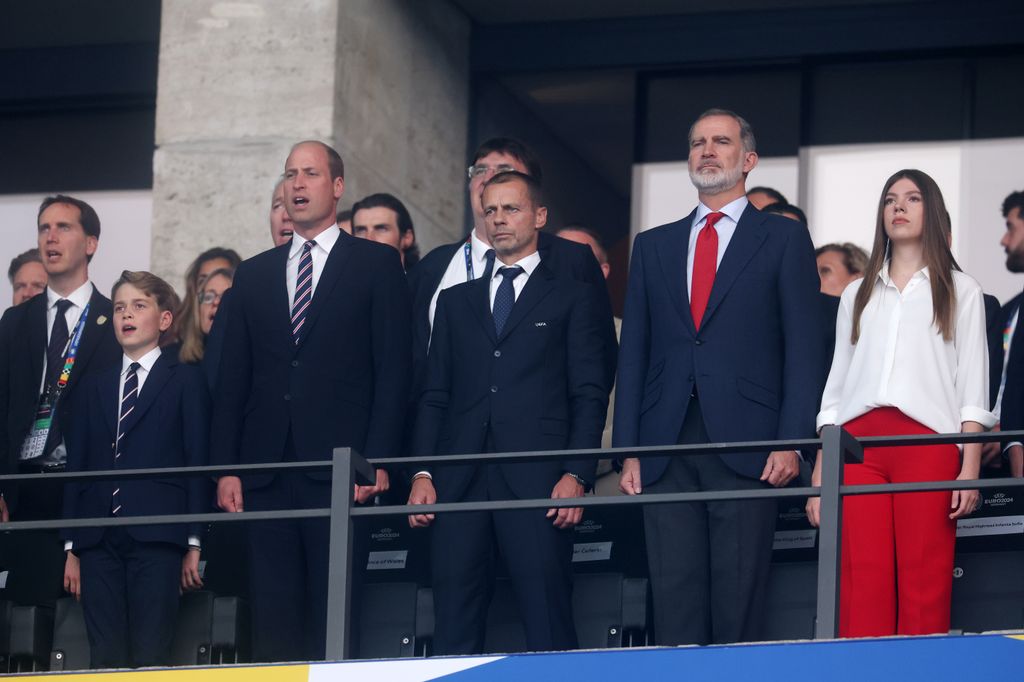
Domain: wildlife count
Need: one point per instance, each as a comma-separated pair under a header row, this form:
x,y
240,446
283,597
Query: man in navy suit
x,y
150,411
517,363
469,258
1007,360
316,356
36,339
721,341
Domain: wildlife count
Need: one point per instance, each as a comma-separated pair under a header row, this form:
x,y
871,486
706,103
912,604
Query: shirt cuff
x,y
1007,447
969,413
193,541
422,474
826,418
68,546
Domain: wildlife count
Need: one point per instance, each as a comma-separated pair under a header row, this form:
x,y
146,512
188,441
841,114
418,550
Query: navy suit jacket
x,y
23,342
1011,415
561,256
756,362
540,385
345,384
169,427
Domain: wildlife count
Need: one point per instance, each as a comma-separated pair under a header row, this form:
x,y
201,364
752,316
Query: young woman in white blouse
x,y
910,358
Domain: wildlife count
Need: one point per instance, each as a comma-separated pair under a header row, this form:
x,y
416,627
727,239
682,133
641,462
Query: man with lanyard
x,y
47,344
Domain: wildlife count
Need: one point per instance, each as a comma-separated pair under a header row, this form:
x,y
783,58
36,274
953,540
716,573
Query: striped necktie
x,y
131,395
303,291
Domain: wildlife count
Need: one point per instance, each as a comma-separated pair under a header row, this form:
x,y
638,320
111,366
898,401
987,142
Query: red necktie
x,y
705,263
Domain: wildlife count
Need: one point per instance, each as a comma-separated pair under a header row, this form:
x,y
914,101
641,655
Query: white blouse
x,y
902,361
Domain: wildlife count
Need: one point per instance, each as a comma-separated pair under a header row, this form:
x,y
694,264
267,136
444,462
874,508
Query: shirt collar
x,y
325,240
79,297
147,361
528,264
883,274
479,247
734,209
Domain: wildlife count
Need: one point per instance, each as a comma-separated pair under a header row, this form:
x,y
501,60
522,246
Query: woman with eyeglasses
x,y
191,329
910,358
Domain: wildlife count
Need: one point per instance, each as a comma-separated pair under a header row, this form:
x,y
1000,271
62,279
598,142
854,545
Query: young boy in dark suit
x,y
151,411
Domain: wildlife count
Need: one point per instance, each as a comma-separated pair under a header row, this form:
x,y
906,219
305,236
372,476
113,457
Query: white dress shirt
x,y
325,241
726,228
457,272
79,299
902,361
528,264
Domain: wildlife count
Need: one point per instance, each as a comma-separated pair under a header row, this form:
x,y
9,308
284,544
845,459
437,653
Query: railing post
x,y
838,447
349,468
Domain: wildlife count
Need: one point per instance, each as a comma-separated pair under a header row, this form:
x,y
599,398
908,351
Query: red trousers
x,y
897,554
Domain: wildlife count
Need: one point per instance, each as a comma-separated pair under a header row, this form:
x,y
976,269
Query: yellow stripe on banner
x,y
1020,637
269,673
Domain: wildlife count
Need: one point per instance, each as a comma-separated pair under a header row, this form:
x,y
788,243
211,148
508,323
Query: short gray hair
x,y
747,140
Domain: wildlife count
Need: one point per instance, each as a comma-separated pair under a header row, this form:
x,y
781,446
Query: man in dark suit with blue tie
x,y
41,367
316,356
517,363
721,341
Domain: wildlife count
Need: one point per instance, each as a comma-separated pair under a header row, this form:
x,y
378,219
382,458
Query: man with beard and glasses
x,y
721,341
1008,401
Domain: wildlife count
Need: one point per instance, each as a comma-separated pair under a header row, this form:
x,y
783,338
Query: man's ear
x,y
166,318
541,218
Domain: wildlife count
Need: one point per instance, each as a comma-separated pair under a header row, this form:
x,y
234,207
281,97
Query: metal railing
x,y
349,467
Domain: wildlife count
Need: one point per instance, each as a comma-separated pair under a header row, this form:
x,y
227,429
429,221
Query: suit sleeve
x,y
633,354
432,406
391,342
213,349
799,286
233,379
6,327
195,411
589,383
77,444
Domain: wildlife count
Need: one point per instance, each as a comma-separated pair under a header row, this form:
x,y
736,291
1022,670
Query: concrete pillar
x,y
385,82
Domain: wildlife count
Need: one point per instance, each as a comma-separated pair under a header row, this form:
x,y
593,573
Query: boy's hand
x,y
73,576
190,578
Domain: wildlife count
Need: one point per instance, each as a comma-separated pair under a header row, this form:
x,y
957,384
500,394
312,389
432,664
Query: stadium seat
x,y
424,620
791,602
230,633
31,638
987,591
387,621
5,633
606,607
193,633
70,641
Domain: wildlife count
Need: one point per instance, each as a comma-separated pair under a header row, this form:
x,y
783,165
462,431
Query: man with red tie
x,y
721,341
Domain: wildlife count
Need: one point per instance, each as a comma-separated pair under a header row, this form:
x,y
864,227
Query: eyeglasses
x,y
479,171
209,297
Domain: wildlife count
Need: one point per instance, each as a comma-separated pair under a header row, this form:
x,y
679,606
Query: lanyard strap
x,y
72,350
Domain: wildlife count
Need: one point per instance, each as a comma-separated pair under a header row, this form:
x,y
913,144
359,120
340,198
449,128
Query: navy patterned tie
x,y
505,297
131,394
303,291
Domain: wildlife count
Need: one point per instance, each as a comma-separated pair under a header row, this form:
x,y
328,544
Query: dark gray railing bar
x,y
940,439
838,447
927,486
588,501
165,520
606,453
171,472
349,466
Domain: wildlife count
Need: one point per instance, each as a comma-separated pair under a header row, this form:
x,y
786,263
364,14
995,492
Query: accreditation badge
x,y
35,441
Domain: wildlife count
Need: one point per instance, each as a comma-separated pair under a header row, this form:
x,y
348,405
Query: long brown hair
x,y
937,256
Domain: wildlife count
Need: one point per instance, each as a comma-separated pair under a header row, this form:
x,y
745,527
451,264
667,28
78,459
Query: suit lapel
x,y
163,369
537,287
333,268
96,325
478,293
750,234
276,287
36,318
671,256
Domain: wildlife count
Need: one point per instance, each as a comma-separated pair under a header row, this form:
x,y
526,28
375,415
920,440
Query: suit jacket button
x,y
287,396
295,363
494,389
697,342
497,353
